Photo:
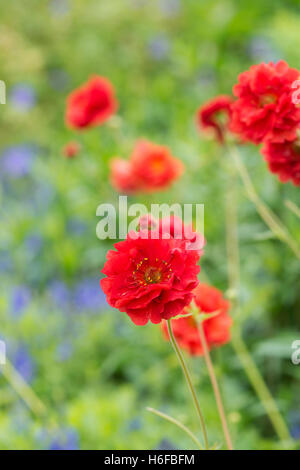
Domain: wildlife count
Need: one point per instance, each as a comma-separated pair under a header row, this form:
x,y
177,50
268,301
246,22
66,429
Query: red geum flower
x,y
150,278
216,329
71,149
121,176
173,226
91,104
284,160
214,115
264,110
154,167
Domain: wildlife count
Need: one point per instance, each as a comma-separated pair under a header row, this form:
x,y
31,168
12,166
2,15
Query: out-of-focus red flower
x,y
91,104
150,278
216,329
284,160
264,109
71,149
121,176
151,168
215,115
154,167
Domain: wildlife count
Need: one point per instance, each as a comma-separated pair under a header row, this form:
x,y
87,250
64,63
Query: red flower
x,y
154,166
121,176
91,104
208,116
71,149
216,329
150,278
284,160
151,168
264,110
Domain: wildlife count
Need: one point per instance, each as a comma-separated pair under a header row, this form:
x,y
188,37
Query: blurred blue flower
x,y
65,440
17,161
59,293
159,47
76,226
170,7
261,49
64,351
22,97
33,243
20,299
23,362
6,263
88,295
59,7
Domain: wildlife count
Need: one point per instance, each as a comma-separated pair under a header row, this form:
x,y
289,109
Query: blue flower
x,y
22,97
17,161
88,295
24,363
64,351
59,293
65,440
159,47
34,243
20,299
170,7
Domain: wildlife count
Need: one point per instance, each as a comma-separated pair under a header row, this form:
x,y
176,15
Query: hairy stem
x,y
189,382
275,224
215,385
177,423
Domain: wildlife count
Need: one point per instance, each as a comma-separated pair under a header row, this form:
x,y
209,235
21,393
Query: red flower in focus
x,y
121,176
151,168
150,278
71,149
211,116
284,160
91,104
216,329
173,227
264,110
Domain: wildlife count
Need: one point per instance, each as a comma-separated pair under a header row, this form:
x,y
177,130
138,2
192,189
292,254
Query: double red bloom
x,y
216,329
284,160
151,168
264,109
91,104
215,115
150,278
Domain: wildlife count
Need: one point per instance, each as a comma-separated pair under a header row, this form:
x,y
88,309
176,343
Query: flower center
x,y
152,272
267,99
157,165
152,275
296,146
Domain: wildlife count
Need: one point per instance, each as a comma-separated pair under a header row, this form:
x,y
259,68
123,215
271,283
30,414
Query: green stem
x,y
277,227
177,423
215,385
232,242
189,382
23,389
260,387
293,207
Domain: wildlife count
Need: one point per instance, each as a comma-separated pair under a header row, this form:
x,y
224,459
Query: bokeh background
x,y
92,368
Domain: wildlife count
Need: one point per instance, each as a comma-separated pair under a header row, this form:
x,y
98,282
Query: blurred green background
x,y
92,368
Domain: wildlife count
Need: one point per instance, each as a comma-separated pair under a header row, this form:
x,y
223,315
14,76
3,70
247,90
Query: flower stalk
x,y
189,382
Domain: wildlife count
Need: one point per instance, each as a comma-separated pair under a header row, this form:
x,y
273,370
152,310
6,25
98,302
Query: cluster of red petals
x,y
91,104
151,168
71,149
284,160
209,116
149,277
216,329
264,110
